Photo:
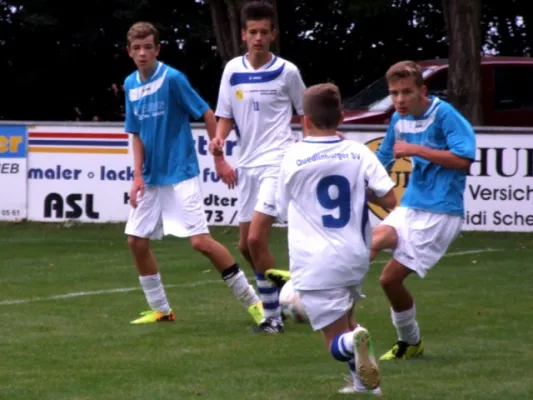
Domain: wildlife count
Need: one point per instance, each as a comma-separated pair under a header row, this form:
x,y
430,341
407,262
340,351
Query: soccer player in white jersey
x,y
322,194
165,196
442,146
257,94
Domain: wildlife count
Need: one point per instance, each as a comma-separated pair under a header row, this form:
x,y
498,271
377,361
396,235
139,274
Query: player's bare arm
x,y
138,160
218,134
442,157
388,201
222,131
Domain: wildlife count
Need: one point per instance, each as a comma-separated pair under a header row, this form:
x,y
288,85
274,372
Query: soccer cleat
x,y
256,311
366,366
355,388
278,277
269,325
402,351
149,317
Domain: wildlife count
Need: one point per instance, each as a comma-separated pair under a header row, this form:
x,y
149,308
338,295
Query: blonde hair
x,y
405,69
141,30
322,105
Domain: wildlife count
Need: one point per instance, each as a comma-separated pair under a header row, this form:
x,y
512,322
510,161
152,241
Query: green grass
x,y
474,311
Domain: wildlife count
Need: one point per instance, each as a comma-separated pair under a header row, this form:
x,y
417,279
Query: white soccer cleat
x,y
366,366
357,387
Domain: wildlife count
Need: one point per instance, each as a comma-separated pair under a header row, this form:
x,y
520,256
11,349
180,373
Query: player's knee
x,y
201,243
243,247
386,281
255,242
393,275
138,246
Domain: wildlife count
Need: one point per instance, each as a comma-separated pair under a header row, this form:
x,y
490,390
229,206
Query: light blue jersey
x,y
432,187
159,110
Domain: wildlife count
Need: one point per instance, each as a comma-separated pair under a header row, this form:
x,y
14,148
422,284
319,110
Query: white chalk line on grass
x,y
182,285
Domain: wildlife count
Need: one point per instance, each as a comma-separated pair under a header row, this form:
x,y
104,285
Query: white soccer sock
x,y
242,290
406,325
155,293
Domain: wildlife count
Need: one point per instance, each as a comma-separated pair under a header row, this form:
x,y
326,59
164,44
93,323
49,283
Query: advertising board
x,y
13,195
85,174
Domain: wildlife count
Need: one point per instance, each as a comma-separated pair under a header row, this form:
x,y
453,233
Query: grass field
x,y
68,295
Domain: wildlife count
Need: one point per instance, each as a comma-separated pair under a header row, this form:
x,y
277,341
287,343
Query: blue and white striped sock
x,y
269,295
342,347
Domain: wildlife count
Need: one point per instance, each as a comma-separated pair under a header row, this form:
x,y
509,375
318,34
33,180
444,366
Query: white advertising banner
x,y
499,190
85,174
13,194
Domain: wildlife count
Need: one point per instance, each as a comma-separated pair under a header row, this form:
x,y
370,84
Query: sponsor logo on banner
x,y
72,206
499,190
79,173
13,145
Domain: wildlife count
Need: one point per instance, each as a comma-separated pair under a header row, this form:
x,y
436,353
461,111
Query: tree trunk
x,y
276,46
225,15
227,44
463,26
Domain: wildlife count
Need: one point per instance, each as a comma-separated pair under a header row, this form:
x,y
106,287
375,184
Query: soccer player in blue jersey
x,y
442,146
165,196
257,94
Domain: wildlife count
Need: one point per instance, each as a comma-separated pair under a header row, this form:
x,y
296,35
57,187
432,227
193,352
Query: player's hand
x,y
137,189
216,146
404,149
225,172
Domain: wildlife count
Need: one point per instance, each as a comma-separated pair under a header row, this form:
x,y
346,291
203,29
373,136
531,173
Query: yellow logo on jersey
x,y
239,94
400,176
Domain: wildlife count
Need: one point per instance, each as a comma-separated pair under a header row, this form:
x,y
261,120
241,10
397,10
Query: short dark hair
x,y
257,11
323,106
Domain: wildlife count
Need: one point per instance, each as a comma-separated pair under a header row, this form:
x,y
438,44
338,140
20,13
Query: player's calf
x,y
257,242
149,278
230,272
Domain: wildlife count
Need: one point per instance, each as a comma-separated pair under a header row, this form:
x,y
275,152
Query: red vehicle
x,y
506,94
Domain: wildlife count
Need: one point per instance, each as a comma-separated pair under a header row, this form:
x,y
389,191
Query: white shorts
x,y
324,307
423,236
176,210
257,191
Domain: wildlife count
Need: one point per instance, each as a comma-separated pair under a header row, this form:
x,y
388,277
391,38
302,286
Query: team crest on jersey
x,y
400,174
239,94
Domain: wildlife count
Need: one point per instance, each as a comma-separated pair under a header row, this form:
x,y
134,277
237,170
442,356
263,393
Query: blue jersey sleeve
x,y
131,123
460,136
385,152
187,97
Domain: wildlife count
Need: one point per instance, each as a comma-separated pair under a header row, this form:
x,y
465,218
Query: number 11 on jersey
x,y
255,105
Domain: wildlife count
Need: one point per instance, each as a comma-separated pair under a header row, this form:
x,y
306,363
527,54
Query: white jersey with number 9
x,y
322,196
